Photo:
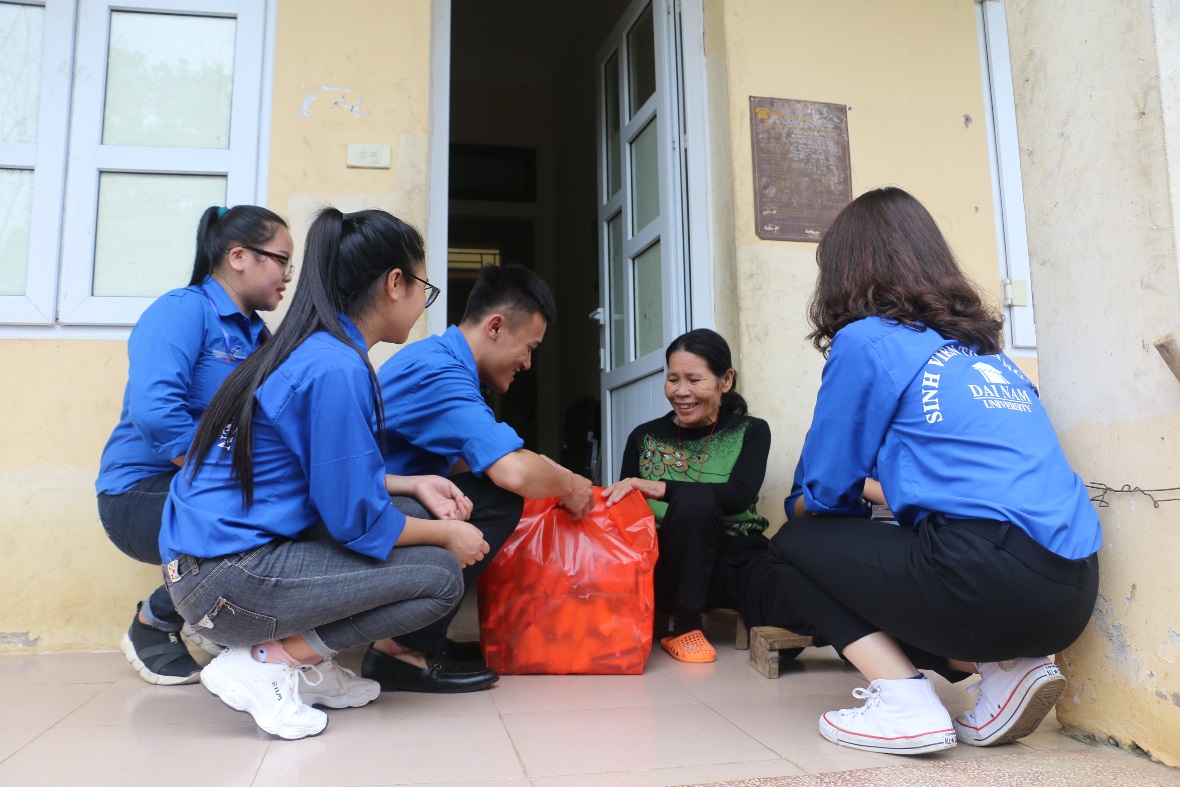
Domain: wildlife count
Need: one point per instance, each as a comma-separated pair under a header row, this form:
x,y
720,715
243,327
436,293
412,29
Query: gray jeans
x,y
314,586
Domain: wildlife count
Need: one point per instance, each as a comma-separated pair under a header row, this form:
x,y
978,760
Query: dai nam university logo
x,y
997,393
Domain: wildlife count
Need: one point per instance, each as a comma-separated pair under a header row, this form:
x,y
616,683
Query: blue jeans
x,y
132,523
314,586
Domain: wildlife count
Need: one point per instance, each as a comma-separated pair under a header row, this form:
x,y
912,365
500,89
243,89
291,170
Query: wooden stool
x,y
767,641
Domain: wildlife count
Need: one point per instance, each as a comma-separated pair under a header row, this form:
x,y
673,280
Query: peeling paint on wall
x,y
342,100
20,638
1122,655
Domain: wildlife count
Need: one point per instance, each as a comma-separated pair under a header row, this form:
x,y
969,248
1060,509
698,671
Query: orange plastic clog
x,y
691,647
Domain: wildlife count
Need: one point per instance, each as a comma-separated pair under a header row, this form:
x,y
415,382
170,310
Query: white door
x,y
640,218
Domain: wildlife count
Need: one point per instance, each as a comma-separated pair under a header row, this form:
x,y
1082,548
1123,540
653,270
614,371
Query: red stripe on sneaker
x,y
1008,701
884,738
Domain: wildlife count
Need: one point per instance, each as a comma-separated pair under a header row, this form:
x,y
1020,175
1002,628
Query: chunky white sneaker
x,y
1013,697
339,687
898,717
268,692
193,637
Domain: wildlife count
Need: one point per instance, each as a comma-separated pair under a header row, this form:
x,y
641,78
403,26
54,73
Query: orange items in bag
x,y
572,596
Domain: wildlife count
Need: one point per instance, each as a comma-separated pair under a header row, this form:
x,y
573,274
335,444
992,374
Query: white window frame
x,y
58,293
1007,190
47,159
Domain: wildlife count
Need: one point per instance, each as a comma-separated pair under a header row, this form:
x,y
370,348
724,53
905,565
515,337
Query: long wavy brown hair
x,y
884,256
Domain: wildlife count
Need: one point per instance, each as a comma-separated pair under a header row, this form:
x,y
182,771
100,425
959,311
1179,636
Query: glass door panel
x,y
649,301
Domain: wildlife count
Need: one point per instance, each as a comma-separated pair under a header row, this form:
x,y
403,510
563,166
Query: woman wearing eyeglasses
x,y
280,537
180,351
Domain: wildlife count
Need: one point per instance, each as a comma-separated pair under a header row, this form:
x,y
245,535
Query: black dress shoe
x,y
463,651
396,675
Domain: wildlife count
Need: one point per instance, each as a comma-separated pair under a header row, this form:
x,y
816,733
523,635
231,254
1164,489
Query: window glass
x,y
146,233
169,81
649,301
645,178
16,215
618,282
613,147
641,61
21,33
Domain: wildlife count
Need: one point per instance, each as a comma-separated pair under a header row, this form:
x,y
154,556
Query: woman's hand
x,y
652,490
442,498
465,542
873,492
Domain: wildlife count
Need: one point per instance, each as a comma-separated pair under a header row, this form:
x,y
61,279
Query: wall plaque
x,y
802,168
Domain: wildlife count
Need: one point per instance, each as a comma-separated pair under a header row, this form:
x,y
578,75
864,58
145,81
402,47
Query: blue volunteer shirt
x,y
435,413
179,352
947,430
315,459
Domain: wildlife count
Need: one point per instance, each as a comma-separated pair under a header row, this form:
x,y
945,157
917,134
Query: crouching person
x,y
993,563
279,534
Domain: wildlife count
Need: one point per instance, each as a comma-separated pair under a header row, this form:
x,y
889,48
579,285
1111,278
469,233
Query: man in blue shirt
x,y
437,423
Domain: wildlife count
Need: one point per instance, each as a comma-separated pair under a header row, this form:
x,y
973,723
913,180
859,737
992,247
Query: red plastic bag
x,y
567,596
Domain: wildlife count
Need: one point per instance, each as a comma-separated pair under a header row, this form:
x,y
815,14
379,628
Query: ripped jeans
x,y
314,586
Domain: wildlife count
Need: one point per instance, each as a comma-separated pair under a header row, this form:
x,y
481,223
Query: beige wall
x,y
63,586
1100,167
906,128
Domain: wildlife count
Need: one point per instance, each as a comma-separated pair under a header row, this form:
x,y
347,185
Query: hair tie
x,y
222,211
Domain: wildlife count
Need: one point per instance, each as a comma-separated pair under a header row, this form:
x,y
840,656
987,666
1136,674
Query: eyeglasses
x,y
432,292
282,259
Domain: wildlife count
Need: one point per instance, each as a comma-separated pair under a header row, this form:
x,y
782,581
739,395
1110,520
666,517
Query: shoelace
x,y
980,704
871,696
304,669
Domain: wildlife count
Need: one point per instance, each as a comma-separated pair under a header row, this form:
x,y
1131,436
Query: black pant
x,y
971,590
699,563
496,512
132,521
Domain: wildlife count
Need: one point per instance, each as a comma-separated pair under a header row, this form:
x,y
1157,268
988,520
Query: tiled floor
x,y
87,718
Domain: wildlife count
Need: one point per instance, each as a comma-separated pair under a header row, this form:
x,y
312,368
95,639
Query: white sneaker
x,y
898,717
1013,697
339,687
191,636
268,692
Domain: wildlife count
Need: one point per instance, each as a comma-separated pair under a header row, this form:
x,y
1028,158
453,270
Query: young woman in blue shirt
x,y
280,538
182,348
993,562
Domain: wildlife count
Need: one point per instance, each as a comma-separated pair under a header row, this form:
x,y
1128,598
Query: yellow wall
x,y
909,71
1099,122
62,584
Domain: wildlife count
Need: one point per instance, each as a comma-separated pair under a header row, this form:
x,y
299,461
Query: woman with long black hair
x,y
183,347
280,538
993,563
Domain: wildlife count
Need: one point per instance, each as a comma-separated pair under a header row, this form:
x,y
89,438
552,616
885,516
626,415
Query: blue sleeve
x,y
855,406
445,415
162,352
327,423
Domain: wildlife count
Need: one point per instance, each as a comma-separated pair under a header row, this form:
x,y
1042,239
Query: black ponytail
x,y
712,347
220,229
345,261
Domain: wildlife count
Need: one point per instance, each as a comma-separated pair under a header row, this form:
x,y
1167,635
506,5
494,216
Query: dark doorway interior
x,y
523,77
505,241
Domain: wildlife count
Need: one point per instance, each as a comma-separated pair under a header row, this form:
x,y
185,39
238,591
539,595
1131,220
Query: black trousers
x,y
496,512
699,563
132,522
972,590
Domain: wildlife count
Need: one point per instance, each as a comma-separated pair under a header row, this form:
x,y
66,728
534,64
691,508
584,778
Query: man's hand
x,y
579,497
465,542
652,490
442,498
